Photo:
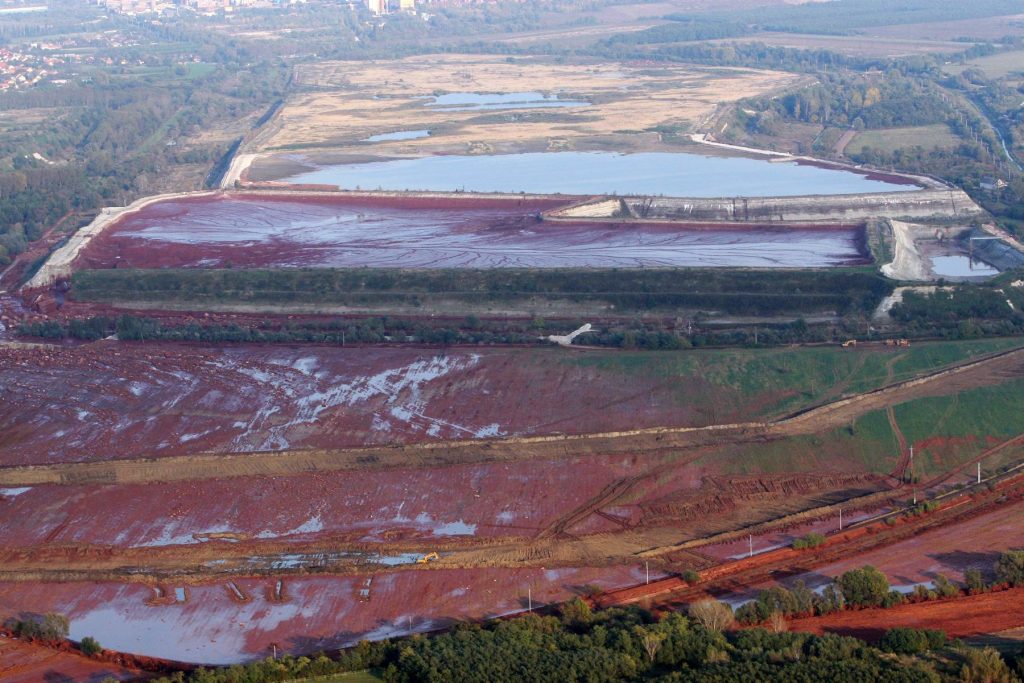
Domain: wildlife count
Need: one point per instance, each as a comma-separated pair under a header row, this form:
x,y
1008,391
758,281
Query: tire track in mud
x,y
560,527
900,471
992,369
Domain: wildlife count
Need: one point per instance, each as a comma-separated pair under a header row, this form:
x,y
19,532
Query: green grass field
x,y
948,430
994,66
782,380
892,139
350,677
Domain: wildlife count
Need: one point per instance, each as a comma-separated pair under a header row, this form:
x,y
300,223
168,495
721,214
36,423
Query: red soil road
x,y
316,613
421,232
108,401
22,662
959,618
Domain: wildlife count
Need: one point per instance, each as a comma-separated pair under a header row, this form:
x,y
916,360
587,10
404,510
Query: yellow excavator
x,y
429,557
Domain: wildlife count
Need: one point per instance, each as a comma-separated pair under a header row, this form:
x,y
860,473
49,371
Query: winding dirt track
x,y
992,369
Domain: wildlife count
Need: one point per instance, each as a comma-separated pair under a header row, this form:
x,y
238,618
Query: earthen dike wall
x,y
945,203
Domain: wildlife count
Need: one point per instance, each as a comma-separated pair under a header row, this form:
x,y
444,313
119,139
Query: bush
x,y
576,611
945,588
1010,567
712,614
864,587
691,576
50,627
811,540
974,580
893,599
831,600
909,641
984,666
90,646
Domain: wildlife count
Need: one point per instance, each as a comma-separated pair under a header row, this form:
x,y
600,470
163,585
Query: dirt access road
x,y
959,618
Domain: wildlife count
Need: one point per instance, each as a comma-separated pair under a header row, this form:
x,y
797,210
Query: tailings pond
x,y
417,232
592,173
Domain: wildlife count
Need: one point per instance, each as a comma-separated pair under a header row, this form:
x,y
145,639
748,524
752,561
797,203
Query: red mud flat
x,y
214,626
108,400
22,662
959,618
418,232
481,500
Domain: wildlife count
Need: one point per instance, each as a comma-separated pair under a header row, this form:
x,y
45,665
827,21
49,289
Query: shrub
x,y
90,646
1010,567
909,641
831,600
49,627
864,587
691,576
811,540
974,580
712,614
576,611
984,666
945,588
893,599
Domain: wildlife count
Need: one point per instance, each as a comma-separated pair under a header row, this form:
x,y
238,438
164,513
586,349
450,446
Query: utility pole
x,y
751,539
979,472
840,519
912,473
529,599
647,568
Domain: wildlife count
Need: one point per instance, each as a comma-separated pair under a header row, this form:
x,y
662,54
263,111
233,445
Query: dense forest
x,y
116,133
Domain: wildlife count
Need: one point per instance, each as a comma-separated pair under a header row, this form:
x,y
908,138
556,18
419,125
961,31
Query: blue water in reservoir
x,y
472,101
398,135
587,173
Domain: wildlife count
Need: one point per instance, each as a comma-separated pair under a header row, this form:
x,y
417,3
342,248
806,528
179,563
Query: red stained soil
x,y
948,550
212,626
22,662
486,500
106,400
421,232
959,618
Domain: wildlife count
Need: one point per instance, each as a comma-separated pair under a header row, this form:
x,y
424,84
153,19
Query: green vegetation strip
x,y
736,292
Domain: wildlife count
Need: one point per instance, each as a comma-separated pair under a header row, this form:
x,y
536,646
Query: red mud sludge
x,y
211,627
105,401
437,232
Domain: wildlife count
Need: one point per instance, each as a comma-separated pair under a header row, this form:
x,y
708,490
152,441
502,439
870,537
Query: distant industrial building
x,y
378,6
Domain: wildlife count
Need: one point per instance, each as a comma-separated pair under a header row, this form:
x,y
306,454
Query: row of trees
x,y
868,587
650,336
578,644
